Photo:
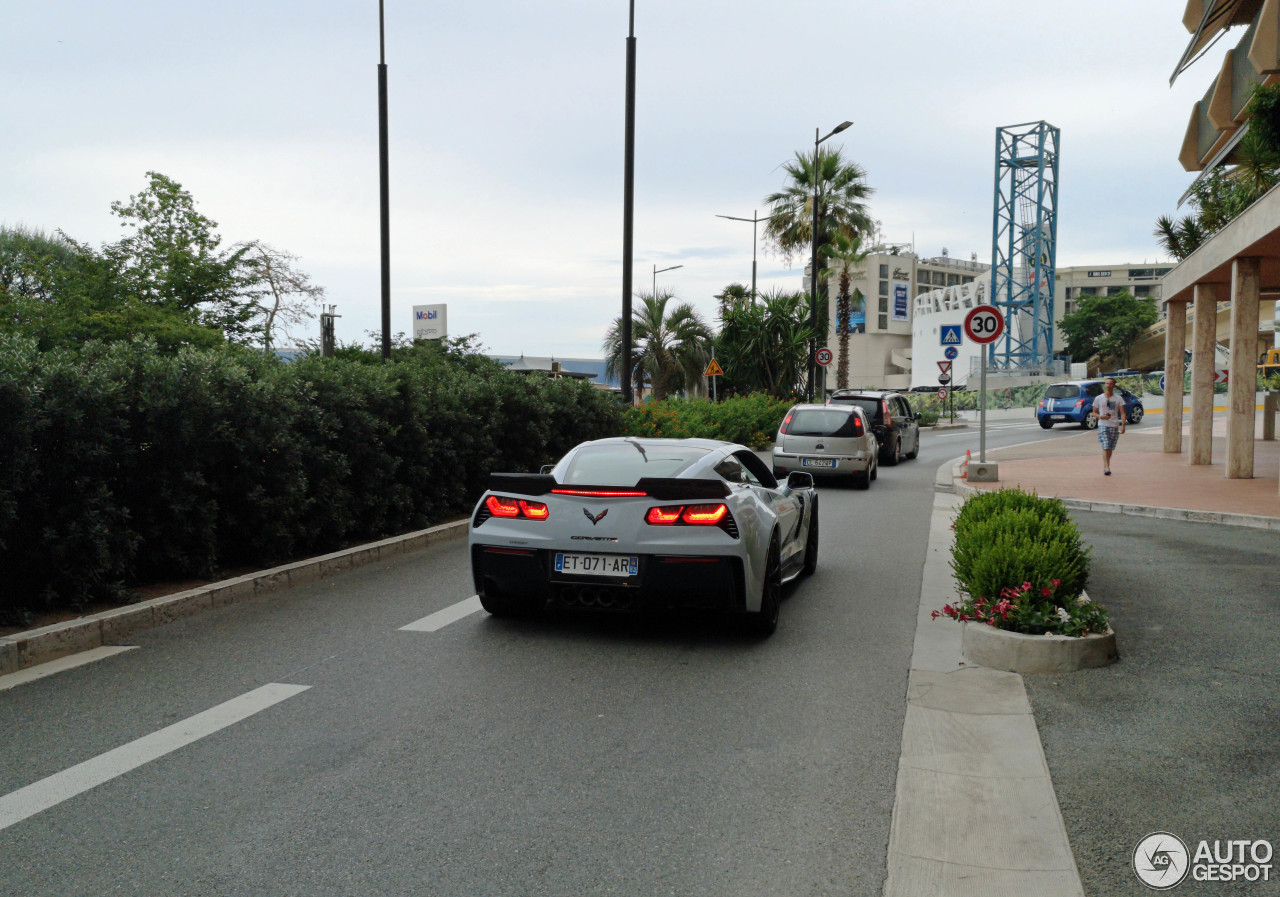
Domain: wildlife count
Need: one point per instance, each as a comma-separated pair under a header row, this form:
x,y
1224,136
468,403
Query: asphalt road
x,y
568,755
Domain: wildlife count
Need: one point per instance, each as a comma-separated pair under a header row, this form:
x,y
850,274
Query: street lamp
x,y
656,272
383,190
813,273
754,219
628,204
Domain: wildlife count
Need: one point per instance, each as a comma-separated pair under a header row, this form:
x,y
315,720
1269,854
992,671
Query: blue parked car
x,y
1073,403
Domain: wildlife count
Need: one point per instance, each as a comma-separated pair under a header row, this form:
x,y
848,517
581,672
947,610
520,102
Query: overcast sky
x,y
506,124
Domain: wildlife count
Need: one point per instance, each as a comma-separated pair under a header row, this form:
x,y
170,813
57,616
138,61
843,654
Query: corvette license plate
x,y
597,564
817,462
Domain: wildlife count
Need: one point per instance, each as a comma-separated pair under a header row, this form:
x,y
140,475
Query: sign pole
x,y
982,414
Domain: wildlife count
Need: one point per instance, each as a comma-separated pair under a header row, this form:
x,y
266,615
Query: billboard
x,y
429,322
901,304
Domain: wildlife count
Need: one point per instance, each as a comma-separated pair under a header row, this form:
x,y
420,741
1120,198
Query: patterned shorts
x,y
1109,437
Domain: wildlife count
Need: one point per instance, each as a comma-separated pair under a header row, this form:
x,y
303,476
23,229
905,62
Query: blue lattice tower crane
x,y
1024,245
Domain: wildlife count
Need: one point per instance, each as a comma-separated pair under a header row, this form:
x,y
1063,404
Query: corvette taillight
x,y
688,515
502,507
704,515
663,516
535,510
509,508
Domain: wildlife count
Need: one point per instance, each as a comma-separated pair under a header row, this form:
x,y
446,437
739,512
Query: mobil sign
x,y
429,321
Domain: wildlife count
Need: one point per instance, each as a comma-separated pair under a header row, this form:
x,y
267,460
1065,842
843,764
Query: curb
x,y
36,646
1222,518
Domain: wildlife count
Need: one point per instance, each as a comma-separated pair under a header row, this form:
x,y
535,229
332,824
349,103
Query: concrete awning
x,y
1255,233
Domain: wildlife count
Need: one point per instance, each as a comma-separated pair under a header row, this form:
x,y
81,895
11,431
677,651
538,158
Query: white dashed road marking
x,y
30,674
443,618
51,791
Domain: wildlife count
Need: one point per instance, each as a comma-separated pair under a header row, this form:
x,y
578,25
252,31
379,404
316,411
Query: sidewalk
x,y
1144,479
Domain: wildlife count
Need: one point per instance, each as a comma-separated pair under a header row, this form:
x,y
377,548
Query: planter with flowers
x,y
1021,569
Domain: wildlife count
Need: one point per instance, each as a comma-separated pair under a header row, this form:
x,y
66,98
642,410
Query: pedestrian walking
x,y
1109,409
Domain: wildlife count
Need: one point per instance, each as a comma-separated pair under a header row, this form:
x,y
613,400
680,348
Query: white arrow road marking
x,y
51,791
442,618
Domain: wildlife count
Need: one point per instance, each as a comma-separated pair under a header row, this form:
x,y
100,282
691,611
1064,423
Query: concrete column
x,y
1175,345
1203,338
1242,383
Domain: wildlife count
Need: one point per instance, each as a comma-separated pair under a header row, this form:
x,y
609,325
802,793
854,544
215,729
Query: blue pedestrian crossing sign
x,y
951,334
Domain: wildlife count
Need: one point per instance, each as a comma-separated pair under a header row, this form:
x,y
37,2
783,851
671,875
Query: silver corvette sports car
x,y
631,524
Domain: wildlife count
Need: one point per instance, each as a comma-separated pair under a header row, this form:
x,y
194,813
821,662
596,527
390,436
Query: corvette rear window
x,y
622,464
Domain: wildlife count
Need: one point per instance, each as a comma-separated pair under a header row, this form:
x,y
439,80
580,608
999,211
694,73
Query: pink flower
x,y
934,615
1056,582
1046,591
1026,587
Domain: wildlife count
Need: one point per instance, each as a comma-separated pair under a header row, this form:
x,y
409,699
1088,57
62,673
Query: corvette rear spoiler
x,y
664,488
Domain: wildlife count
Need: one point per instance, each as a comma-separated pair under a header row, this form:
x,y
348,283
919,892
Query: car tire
x,y
863,480
811,541
1090,421
915,450
874,473
1046,424
500,605
891,459
764,622
1136,414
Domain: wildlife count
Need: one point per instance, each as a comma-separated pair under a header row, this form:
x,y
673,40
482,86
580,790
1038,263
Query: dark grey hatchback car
x,y
896,426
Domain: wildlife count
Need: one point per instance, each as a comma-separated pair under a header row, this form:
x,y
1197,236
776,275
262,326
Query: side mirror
x,y
798,479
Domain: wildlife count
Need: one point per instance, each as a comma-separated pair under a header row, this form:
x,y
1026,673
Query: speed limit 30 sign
x,y
823,356
984,324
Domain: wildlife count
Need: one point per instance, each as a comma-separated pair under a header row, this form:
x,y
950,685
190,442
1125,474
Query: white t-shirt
x,y
1110,411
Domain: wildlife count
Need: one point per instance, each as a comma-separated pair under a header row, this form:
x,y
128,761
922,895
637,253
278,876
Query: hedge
x,y
119,466
748,420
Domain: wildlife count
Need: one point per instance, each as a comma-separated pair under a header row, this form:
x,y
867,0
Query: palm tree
x,y
1179,238
764,347
671,349
842,191
845,252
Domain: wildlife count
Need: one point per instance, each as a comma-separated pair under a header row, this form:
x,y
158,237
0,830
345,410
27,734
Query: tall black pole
x,y
813,278
755,219
384,191
628,205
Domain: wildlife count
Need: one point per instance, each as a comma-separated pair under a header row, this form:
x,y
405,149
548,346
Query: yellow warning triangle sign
x,y
713,369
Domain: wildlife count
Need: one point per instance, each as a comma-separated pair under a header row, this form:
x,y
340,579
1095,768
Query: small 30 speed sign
x,y
984,324
823,356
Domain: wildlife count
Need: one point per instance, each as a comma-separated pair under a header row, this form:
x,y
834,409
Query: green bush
x,y
748,420
1021,565
118,465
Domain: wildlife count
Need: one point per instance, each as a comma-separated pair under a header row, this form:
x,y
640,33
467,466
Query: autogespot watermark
x,y
1162,861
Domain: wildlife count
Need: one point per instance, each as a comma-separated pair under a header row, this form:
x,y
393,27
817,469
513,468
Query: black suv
x,y
896,426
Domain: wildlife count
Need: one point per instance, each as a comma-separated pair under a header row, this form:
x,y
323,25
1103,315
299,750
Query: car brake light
x,y
510,508
705,515
1079,403
663,516
535,510
601,493
786,422
888,418
502,507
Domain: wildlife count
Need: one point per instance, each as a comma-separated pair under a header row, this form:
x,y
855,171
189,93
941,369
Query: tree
x,y
283,294
172,258
841,193
844,252
671,349
764,347
1107,326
